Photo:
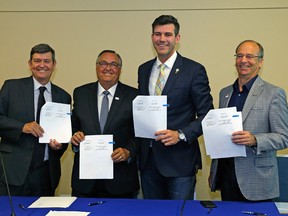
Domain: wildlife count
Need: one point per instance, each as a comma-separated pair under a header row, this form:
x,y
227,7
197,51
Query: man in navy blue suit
x,y
169,163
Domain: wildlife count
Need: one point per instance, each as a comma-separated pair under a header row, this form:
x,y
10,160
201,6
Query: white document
x,y
218,126
95,157
55,119
53,202
282,207
149,115
67,213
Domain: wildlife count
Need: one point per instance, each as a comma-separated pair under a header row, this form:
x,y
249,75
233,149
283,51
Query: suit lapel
x,y
116,103
254,93
225,97
146,78
93,106
175,71
55,94
28,97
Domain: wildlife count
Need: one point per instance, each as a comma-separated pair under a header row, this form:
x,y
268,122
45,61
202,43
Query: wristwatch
x,y
182,136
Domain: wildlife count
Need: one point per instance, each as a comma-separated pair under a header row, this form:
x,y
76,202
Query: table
x,y
140,207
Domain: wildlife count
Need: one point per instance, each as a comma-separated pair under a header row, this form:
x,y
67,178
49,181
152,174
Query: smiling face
x,y
248,67
164,41
108,68
42,66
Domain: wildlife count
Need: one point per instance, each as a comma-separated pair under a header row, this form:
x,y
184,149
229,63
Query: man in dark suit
x,y
85,120
30,171
169,163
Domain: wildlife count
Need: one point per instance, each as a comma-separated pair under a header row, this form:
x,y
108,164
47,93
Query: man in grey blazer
x,y
32,168
265,130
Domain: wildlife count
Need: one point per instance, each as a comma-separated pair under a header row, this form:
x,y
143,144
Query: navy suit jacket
x,y
189,99
119,123
17,109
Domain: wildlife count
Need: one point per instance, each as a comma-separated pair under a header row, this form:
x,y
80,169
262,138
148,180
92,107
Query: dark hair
x,y
261,49
164,20
42,48
111,51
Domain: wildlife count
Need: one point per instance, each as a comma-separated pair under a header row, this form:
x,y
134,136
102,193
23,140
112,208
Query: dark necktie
x,y
41,102
104,110
39,148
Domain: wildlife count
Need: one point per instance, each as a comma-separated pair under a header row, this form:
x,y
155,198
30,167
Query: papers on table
x,y
53,202
57,202
218,126
149,115
67,213
55,119
282,207
95,157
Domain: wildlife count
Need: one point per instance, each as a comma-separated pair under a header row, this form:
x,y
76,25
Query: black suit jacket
x,y
188,95
119,123
17,109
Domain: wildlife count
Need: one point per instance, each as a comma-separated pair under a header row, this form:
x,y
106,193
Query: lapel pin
x,y
116,98
177,70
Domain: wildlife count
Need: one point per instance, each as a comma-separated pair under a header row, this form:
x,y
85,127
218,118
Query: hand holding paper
x,y
95,157
55,119
149,115
218,126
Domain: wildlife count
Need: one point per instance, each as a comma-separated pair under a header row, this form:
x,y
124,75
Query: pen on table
x,y
254,213
96,203
22,206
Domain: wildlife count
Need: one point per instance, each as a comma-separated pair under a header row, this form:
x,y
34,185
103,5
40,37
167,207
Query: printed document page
x,y
95,157
149,115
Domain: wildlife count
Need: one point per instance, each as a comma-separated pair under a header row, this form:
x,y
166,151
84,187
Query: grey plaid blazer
x,y
265,114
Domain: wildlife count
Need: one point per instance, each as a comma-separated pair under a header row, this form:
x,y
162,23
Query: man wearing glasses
x,y
265,130
90,101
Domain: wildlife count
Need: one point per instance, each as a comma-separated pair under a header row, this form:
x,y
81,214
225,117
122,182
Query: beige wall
x,y
79,30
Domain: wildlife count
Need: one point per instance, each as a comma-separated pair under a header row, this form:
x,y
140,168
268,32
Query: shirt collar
x,y
111,90
37,85
170,62
247,85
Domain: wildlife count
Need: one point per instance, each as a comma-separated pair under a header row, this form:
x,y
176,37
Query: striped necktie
x,y
160,81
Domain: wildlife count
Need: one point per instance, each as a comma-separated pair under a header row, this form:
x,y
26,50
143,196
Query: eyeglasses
x,y
248,56
105,64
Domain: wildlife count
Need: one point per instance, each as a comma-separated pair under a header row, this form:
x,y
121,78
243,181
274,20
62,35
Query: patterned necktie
x,y
41,102
160,81
104,110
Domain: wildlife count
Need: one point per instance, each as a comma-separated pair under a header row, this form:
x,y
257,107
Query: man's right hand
x,y
33,128
77,138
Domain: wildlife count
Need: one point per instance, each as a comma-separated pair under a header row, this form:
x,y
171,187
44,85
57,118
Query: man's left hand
x,y
244,138
55,145
167,137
